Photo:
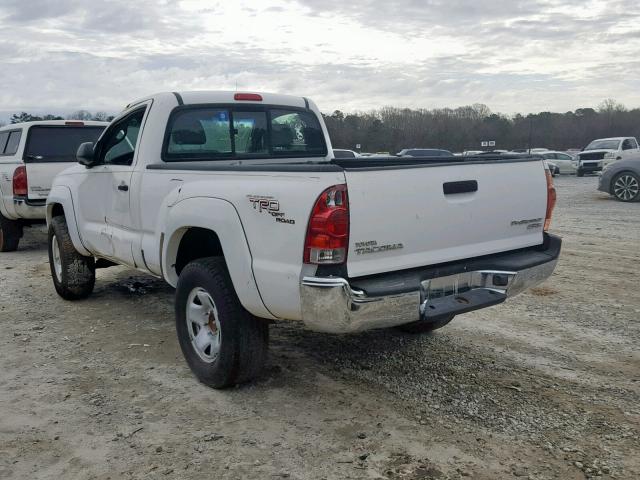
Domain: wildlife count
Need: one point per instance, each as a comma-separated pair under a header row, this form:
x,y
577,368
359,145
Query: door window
x,y
626,145
119,143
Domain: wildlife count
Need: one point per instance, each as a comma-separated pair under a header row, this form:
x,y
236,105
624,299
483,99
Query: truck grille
x,y
591,156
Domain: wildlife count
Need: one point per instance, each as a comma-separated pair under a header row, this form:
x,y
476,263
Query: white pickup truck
x,y
235,199
604,151
31,154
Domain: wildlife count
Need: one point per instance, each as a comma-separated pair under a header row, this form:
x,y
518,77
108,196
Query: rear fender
x,y
221,217
61,195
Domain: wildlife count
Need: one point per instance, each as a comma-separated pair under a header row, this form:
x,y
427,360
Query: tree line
x,y
77,115
391,129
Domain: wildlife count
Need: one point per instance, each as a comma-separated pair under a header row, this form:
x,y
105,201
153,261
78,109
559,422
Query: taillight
x,y
551,200
20,181
327,238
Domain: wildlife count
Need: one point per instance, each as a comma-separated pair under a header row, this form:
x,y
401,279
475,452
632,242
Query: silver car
x,y
622,180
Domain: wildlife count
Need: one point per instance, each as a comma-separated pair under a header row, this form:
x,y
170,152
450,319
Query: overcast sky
x,y
513,55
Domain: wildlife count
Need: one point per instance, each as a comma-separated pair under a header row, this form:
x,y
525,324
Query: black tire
x,y
10,234
243,338
422,326
580,172
78,273
633,181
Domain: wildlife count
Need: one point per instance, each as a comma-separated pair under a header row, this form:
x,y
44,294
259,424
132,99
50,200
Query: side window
x,y
626,145
549,156
119,143
296,132
202,132
13,142
562,156
4,136
634,143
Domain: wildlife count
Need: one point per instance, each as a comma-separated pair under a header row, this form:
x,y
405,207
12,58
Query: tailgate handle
x,y
465,186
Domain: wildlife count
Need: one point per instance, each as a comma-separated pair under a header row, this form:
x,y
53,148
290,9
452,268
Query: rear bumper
x,y
338,305
29,209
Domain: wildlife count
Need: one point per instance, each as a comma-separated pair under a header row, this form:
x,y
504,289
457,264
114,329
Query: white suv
x,y
31,155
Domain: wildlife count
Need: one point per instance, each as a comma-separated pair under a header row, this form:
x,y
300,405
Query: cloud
x,y
514,55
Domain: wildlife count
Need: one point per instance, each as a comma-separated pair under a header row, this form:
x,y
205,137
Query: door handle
x,y
466,186
123,187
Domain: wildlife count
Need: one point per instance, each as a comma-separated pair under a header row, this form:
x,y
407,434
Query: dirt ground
x,y
544,386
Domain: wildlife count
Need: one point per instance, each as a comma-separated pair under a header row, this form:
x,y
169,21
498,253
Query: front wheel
x,y
10,233
626,187
222,343
73,274
580,172
422,326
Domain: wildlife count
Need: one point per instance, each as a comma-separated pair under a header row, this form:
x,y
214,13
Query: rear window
x,y
57,143
211,133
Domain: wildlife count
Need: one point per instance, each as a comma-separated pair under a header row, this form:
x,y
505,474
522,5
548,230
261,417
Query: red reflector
x,y
327,237
248,97
551,200
20,181
75,123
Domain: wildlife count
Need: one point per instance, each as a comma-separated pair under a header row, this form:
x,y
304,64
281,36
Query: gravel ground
x,y
544,386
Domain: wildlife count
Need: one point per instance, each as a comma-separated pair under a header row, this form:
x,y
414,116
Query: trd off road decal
x,y
270,205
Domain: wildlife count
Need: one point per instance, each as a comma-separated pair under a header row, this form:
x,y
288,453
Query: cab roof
x,y
70,123
227,96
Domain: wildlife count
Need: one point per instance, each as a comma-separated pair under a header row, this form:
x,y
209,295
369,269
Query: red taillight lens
x,y
327,238
20,181
551,200
248,97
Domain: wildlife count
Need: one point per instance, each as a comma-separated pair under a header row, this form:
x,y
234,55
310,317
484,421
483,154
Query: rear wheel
x,y
10,234
626,187
73,274
222,343
423,326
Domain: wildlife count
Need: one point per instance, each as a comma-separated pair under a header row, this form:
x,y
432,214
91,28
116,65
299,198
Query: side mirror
x,y
86,154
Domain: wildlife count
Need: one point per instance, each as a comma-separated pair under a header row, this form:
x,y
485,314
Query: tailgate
x,y
40,177
401,217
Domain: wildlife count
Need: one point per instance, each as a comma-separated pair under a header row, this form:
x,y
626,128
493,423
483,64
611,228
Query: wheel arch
x,y
210,227
60,203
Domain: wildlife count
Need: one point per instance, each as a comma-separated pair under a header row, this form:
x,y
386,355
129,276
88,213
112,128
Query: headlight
x,y
609,155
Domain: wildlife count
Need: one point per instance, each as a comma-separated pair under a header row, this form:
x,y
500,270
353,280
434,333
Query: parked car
x,y
424,152
31,154
564,162
553,168
622,179
603,151
236,200
342,153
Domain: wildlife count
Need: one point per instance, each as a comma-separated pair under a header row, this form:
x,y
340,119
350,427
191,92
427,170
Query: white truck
x,y
235,199
604,151
31,154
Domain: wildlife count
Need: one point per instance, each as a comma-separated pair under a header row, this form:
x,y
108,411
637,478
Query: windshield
x,y
57,143
604,145
343,154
